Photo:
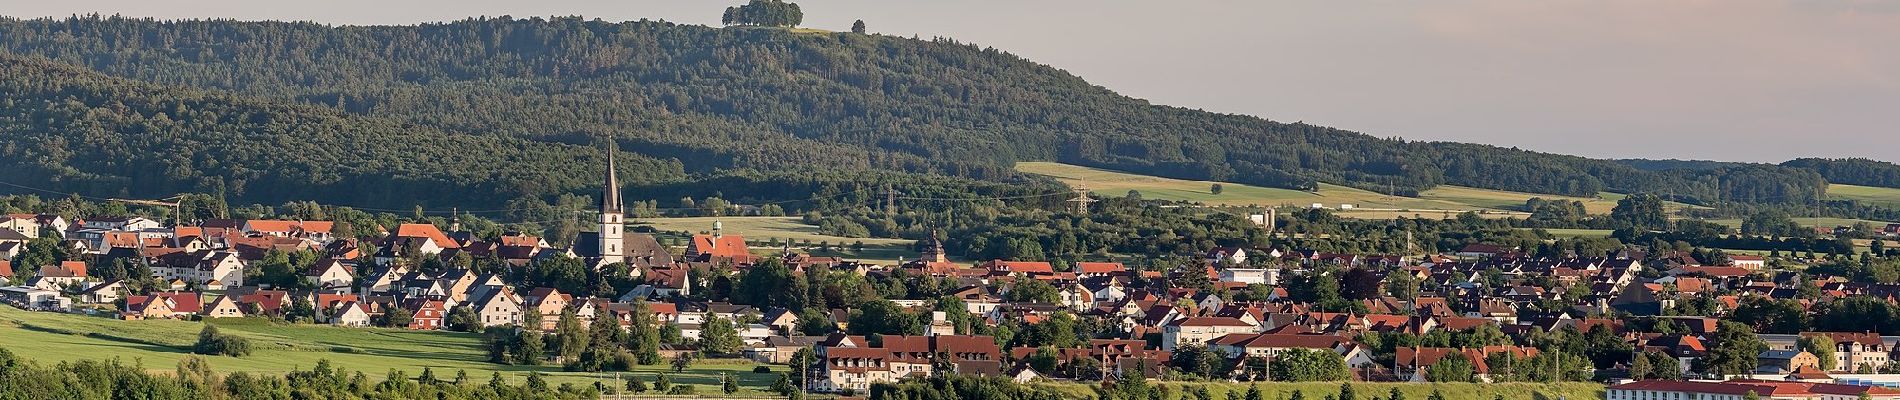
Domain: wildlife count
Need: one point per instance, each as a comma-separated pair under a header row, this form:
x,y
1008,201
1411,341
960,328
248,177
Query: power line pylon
x,y
890,200
1082,199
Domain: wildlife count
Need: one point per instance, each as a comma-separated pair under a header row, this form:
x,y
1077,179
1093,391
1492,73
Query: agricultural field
x,y
1438,202
1499,199
1875,196
157,345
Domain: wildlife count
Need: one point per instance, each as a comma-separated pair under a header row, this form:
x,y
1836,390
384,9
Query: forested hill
x,y
78,130
775,100
1852,171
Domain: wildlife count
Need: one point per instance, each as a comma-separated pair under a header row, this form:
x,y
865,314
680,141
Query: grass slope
x,y
1876,196
158,345
1444,197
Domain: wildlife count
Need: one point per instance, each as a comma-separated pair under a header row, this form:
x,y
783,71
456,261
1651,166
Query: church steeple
x,y
610,201
612,216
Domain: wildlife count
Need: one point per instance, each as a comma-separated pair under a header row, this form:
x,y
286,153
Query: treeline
x,y
194,379
774,100
1852,171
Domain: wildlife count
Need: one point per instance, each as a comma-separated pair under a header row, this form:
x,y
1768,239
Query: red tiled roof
x,y
1099,267
184,302
1027,267
726,245
276,226
428,231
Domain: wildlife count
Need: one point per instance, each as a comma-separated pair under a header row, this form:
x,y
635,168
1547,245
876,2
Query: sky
x,y
1730,80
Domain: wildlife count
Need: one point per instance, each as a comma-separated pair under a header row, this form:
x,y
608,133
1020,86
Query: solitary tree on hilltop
x,y
857,27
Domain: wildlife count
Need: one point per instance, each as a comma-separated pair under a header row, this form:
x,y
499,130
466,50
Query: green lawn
x,y
1876,196
157,345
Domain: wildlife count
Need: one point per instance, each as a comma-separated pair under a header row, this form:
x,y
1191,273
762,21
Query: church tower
x,y
933,251
612,217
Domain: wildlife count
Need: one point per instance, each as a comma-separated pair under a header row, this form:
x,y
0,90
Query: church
x,y
611,243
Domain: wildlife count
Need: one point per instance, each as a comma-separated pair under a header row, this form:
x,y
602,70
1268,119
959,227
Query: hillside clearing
x,y
1874,196
1438,202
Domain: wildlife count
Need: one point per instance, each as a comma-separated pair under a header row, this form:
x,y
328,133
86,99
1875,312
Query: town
x,y
1655,323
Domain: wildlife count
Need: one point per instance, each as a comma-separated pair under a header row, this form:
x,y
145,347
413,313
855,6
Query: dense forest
x,y
761,102
80,131
1852,171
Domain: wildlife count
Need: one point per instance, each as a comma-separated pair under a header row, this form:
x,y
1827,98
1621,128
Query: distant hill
x,y
1852,171
701,103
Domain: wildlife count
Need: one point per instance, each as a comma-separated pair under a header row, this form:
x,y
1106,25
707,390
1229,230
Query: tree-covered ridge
x,y
91,133
772,99
1852,171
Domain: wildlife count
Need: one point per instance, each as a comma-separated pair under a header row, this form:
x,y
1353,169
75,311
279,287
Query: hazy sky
x,y
1737,80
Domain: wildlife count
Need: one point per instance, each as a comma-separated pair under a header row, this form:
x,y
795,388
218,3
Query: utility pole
x,y
1082,199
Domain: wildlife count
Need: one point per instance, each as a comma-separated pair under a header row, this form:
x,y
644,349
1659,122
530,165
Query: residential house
x,y
349,314
223,307
426,314
212,269
331,273
103,293
497,307
1200,330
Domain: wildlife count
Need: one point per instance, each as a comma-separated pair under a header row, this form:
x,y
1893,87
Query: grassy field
x,y
1499,199
1112,183
157,345
1417,391
1434,203
1877,196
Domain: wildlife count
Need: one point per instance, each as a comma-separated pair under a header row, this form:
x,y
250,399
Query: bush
x,y
212,342
680,390
761,369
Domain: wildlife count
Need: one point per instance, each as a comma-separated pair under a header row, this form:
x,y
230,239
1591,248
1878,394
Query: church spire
x,y
610,201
